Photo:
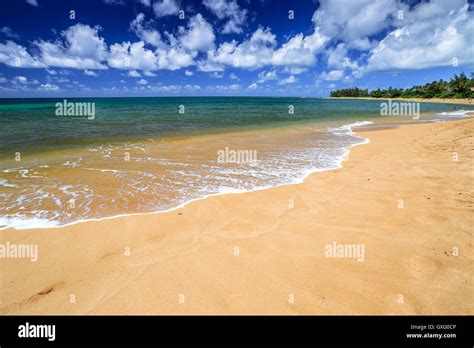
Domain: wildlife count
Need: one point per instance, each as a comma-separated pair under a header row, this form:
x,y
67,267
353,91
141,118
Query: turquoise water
x,y
31,125
142,155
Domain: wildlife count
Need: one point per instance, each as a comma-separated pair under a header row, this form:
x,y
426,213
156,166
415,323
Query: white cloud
x,y
253,86
199,36
145,32
225,88
24,81
149,74
207,66
354,21
48,87
192,87
216,75
267,76
8,32
16,56
174,58
132,56
228,9
164,8
294,70
82,49
32,2
133,73
90,73
300,50
260,50
333,75
232,76
178,53
288,80
20,79
253,53
142,82
434,34
115,2
188,73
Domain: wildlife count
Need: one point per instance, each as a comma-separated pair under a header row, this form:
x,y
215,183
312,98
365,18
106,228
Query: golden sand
x,y
407,198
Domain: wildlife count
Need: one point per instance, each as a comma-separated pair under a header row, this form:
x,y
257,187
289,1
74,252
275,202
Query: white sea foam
x,y
5,183
282,168
457,113
22,223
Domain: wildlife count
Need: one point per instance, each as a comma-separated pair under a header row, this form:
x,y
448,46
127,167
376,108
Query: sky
x,y
115,48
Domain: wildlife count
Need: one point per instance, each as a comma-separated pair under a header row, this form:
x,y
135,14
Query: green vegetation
x,y
459,87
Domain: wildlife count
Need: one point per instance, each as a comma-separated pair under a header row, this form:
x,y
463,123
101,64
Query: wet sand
x,y
402,197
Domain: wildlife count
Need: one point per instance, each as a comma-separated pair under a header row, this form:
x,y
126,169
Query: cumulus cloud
x,y
32,2
225,88
48,87
267,76
230,10
90,73
261,50
133,73
132,56
145,32
357,38
332,75
23,80
354,21
81,48
17,56
252,53
433,35
199,36
288,80
300,50
163,8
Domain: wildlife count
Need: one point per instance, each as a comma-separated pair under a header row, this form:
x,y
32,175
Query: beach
x,y
405,199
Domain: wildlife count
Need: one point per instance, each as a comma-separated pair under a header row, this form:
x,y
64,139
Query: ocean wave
x,y
283,167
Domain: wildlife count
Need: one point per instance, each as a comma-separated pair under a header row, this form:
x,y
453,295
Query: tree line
x,y
458,87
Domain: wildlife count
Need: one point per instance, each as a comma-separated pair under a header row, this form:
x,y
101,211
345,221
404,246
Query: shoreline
x,y
190,251
464,101
349,127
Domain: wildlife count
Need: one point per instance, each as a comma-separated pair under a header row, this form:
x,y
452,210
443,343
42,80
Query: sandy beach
x,y
463,101
406,197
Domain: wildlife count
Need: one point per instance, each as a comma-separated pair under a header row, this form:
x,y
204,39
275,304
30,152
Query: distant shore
x,y
465,101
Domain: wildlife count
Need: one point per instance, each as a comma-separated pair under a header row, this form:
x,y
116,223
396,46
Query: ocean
x,y
138,155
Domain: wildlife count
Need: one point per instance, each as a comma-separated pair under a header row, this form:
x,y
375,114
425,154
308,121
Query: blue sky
x,y
51,48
